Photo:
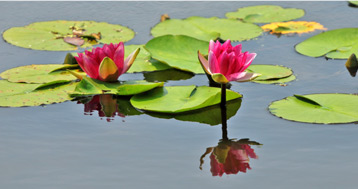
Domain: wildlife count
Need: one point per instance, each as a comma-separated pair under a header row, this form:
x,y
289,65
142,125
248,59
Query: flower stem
x,y
223,112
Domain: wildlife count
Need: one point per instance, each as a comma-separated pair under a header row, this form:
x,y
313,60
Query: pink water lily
x,y
226,63
106,63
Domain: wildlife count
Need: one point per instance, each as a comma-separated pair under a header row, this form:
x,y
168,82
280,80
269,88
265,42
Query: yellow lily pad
x,y
292,27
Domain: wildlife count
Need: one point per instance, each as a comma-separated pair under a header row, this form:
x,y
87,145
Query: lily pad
x,y
144,61
177,99
281,81
43,73
317,108
178,51
353,3
209,115
266,14
21,94
88,86
292,27
50,35
208,28
269,72
337,44
166,75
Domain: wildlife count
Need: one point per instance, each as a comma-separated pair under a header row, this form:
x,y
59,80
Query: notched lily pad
x,y
208,28
336,44
43,73
317,108
177,99
88,86
271,74
292,27
178,51
266,14
21,94
63,35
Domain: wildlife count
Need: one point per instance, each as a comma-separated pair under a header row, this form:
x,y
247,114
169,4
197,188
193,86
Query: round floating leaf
x,y
144,61
50,35
317,108
20,94
209,115
88,86
179,51
339,44
354,3
266,14
292,27
208,28
280,81
269,72
43,73
178,99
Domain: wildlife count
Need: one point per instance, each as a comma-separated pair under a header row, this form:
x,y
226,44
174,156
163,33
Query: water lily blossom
x,y
106,63
226,63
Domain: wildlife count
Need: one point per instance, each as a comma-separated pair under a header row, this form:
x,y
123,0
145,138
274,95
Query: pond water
x,y
60,146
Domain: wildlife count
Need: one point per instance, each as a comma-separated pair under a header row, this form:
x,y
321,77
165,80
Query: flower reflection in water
x,y
230,156
105,104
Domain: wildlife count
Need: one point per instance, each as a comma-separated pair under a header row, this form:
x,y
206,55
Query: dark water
x,y
57,146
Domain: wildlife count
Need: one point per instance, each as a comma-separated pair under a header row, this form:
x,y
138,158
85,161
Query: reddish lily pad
x,y
50,35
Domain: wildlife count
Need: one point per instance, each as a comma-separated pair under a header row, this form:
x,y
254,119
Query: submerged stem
x,y
223,112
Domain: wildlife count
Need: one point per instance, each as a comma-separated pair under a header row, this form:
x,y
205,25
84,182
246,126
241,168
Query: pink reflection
x,y
106,106
230,157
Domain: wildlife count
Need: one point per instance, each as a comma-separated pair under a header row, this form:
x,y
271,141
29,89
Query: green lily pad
x,y
177,99
144,61
43,73
317,108
49,35
208,28
266,14
21,94
337,44
209,115
281,81
166,75
354,3
88,86
179,51
269,72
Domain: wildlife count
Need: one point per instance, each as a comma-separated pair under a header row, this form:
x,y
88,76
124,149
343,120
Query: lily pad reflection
x,y
209,115
165,75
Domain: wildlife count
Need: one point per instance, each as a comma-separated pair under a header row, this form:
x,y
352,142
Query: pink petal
x,y
108,51
242,76
204,63
211,45
227,46
224,63
118,57
247,61
129,61
213,63
237,49
90,66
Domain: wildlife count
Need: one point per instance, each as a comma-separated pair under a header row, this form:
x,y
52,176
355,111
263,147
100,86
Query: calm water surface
x,y
58,146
